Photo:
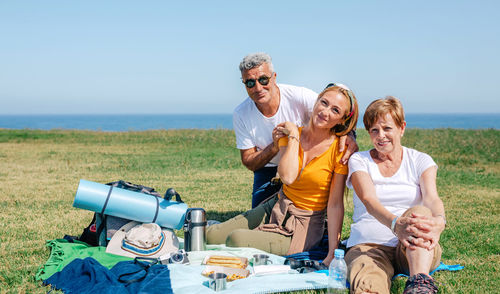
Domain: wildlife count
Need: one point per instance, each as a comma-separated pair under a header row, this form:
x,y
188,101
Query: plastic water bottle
x,y
337,274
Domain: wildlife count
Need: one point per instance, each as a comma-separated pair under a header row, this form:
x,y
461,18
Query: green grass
x,y
40,171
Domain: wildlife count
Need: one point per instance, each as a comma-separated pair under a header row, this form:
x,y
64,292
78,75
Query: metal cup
x,y
217,281
261,259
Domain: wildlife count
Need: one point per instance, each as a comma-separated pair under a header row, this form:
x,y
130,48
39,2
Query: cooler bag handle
x,y
171,193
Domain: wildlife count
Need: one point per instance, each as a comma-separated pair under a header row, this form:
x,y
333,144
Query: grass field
x,y
40,171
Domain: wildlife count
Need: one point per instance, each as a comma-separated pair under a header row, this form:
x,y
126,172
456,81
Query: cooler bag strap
x,y
157,208
102,225
107,199
100,229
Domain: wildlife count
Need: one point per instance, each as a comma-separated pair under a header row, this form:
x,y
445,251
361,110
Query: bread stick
x,y
227,261
218,257
233,265
224,261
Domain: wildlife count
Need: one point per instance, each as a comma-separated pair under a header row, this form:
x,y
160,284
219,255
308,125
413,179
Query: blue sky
x,y
81,57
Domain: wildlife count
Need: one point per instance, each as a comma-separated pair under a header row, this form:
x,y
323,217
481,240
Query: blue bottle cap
x,y
339,253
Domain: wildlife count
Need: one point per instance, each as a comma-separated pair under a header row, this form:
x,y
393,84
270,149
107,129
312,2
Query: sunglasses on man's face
x,y
263,80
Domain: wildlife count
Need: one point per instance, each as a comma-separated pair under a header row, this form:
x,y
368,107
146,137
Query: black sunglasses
x,y
263,80
349,93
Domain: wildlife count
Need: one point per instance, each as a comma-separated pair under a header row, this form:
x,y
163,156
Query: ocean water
x,y
122,122
139,122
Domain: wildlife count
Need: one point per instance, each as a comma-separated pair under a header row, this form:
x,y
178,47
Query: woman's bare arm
x,y
335,214
288,167
365,189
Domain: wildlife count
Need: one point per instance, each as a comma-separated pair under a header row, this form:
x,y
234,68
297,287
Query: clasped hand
x,y
285,129
418,230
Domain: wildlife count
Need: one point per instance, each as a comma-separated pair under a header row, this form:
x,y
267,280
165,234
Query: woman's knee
x,y
366,275
270,242
217,234
368,271
238,238
418,209
364,263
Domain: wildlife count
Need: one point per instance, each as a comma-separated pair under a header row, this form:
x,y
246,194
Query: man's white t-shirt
x,y
396,194
253,129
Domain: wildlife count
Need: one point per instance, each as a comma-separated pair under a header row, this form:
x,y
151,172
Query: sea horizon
x,y
142,122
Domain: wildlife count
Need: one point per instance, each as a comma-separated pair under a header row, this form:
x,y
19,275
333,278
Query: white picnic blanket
x,y
188,279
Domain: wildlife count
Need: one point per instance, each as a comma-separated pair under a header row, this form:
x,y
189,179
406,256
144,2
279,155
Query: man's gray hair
x,y
254,60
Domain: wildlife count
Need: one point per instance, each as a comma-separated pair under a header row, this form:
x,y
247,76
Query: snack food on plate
x,y
227,261
231,273
230,277
233,277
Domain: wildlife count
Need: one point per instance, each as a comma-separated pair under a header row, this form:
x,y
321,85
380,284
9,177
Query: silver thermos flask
x,y
194,230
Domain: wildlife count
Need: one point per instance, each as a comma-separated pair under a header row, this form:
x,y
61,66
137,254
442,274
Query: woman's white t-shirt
x,y
396,193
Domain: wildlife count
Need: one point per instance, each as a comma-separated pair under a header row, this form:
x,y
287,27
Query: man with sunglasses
x,y
255,120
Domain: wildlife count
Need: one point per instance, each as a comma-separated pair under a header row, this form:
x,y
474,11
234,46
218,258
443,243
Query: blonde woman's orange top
x,y
311,189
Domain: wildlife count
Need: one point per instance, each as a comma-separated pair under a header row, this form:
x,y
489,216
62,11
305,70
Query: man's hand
x,y
287,129
349,141
278,132
255,159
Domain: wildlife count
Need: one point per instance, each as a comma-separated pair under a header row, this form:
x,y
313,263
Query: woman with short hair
x,y
398,216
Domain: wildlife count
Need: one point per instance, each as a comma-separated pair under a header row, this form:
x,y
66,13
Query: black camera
x,y
304,266
179,257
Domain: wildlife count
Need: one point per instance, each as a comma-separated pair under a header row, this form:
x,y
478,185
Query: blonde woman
x,y
313,184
